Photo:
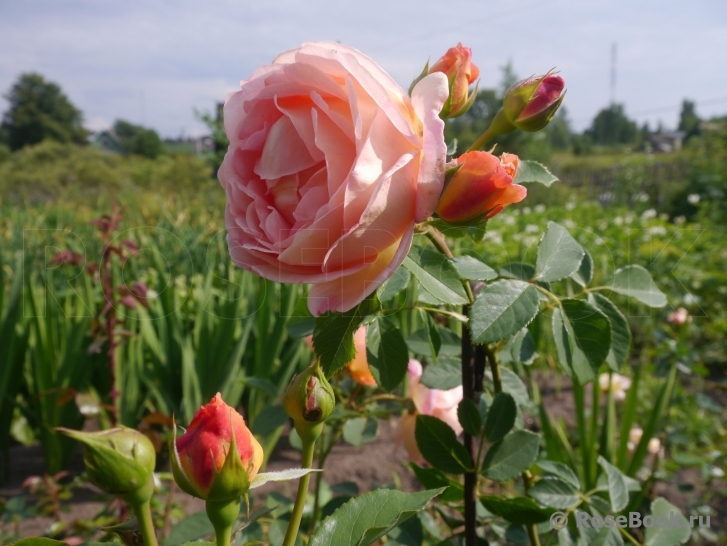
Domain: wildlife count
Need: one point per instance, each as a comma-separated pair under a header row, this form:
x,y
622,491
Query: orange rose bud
x,y
202,458
461,72
481,186
530,104
359,366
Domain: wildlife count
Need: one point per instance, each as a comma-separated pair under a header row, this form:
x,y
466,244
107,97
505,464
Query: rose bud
x,y
309,400
217,457
119,460
461,72
480,186
530,104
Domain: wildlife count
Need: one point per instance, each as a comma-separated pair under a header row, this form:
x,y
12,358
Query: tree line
x,y
39,110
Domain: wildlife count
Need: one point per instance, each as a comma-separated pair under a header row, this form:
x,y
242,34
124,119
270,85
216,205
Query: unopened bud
x,y
309,400
217,457
530,104
119,460
478,186
461,72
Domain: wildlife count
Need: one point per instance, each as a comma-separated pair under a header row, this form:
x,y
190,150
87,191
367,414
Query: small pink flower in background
x,y
619,384
635,435
330,165
437,403
461,72
654,446
481,188
678,317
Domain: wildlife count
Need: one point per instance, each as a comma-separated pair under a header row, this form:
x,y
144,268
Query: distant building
x,y
106,140
666,141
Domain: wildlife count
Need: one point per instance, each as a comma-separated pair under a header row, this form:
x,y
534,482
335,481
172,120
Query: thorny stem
x,y
473,364
527,476
470,478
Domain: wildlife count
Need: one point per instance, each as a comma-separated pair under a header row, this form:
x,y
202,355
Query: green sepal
x,y
120,460
420,77
180,476
233,479
467,105
541,119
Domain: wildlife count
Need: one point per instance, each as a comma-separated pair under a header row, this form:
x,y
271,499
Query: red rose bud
x,y
481,186
309,400
461,72
530,104
217,457
119,460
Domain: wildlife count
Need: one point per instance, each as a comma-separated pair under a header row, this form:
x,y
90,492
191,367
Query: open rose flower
x,y
329,167
435,402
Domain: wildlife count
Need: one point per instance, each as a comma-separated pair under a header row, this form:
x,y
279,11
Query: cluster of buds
x,y
478,185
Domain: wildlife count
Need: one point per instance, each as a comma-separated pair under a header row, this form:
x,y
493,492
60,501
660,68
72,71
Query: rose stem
x,y
527,476
223,515
297,515
473,371
146,525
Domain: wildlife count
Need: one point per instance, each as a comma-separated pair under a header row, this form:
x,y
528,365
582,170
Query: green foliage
x,y
611,126
670,535
500,417
364,520
216,126
333,336
559,255
50,171
38,110
436,275
511,456
502,309
532,171
439,445
135,139
387,353
689,121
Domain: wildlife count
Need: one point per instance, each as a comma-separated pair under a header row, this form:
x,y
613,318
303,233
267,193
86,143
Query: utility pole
x,y
613,73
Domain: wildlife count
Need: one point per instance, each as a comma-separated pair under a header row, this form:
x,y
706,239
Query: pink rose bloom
x,y
329,167
437,403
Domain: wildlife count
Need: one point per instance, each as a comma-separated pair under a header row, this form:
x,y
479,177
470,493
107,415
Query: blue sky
x,y
153,61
